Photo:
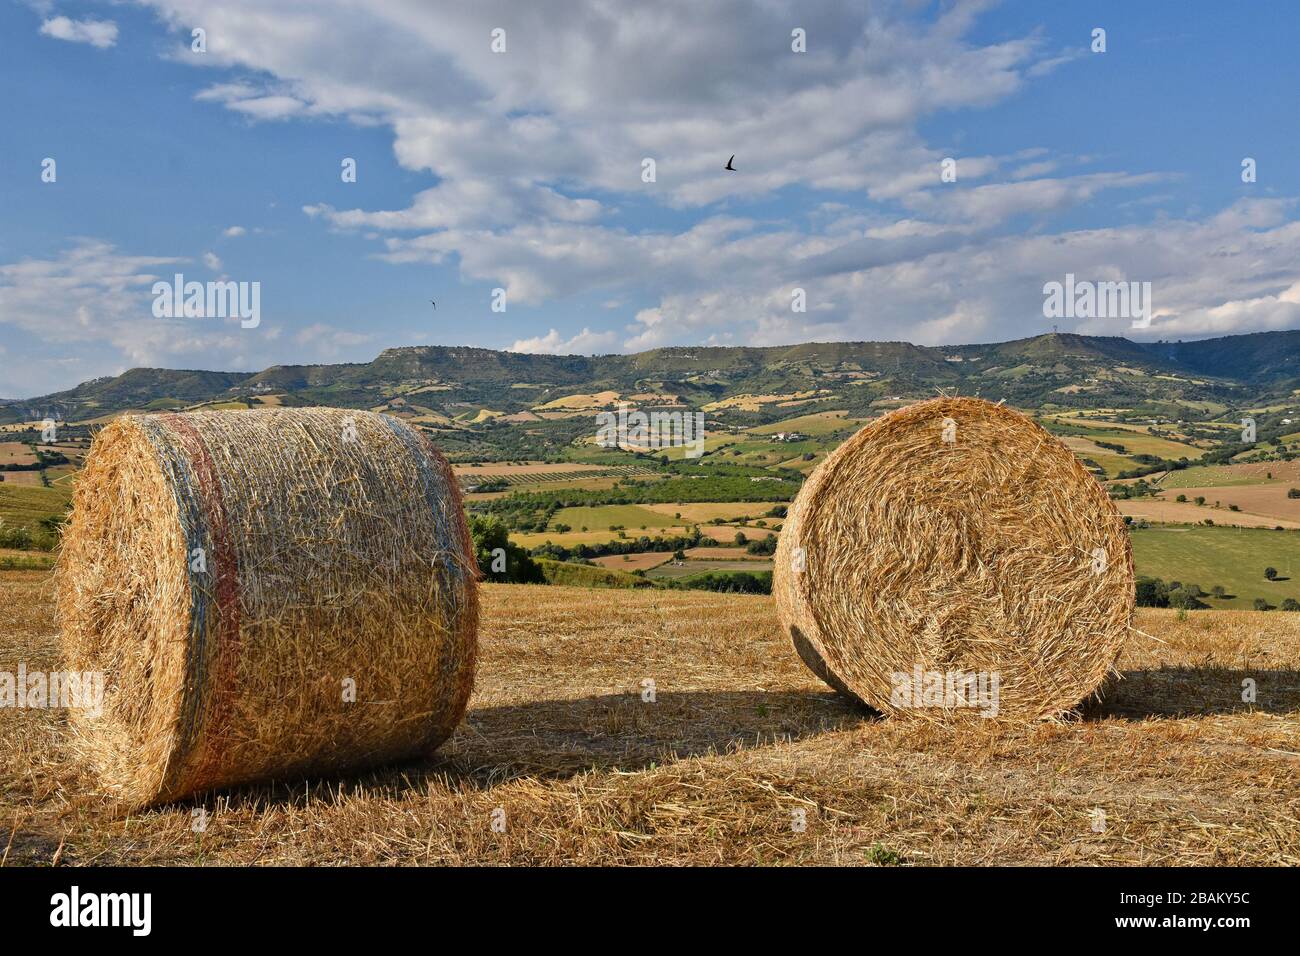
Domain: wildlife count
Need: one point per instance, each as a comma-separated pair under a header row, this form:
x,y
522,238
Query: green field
x,y
1233,557
516,478
586,576
1224,476
600,517
818,423
688,568
26,505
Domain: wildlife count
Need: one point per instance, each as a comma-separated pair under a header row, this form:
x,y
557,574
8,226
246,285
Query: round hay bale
x,y
268,594
953,554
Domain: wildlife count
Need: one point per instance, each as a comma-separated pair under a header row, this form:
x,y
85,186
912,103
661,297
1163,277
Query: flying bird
x,y
434,304
729,166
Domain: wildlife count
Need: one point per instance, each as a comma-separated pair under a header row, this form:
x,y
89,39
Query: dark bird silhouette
x,y
434,304
729,166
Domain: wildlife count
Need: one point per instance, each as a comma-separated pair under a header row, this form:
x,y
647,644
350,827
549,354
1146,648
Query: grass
x,y
565,573
14,560
818,423
595,517
702,511
26,505
739,736
691,568
1227,476
1233,557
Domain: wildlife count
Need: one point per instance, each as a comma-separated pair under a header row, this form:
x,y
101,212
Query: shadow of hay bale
x,y
619,732
559,739
1196,692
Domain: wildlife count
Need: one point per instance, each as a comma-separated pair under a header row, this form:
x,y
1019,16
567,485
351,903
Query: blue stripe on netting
x,y
176,468
434,488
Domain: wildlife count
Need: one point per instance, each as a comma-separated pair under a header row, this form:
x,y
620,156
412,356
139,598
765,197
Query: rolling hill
x,y
486,402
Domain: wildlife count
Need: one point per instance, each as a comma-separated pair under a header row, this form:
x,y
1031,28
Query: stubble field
x,y
742,758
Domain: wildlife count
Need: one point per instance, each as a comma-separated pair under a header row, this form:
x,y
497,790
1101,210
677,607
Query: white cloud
x,y
212,261
537,156
98,33
585,342
88,311
233,232
328,341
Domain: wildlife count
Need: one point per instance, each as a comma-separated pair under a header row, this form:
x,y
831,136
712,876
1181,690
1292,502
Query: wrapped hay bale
x,y
953,554
269,593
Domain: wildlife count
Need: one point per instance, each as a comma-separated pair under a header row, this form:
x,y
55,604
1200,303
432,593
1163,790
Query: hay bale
x,y
958,537
235,574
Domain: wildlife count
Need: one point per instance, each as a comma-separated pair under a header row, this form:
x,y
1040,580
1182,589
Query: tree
x,y
1270,573
1290,604
740,539
1181,498
1151,592
492,546
1261,604
1184,599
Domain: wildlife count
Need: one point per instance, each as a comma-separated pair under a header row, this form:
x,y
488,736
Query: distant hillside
x,y
1259,357
483,399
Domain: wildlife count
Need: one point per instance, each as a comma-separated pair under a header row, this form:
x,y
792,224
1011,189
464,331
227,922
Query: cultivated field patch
x,y
1233,557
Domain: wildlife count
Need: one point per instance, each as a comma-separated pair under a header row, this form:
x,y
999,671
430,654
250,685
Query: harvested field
x,y
26,479
16,453
741,735
643,561
699,511
1168,511
1264,500
726,533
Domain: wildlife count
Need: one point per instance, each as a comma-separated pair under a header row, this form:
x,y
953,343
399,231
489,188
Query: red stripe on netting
x,y
224,564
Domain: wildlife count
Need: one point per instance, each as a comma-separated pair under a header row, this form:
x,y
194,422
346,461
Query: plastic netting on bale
x,y
953,554
269,594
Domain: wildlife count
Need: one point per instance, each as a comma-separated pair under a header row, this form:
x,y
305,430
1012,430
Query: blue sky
x,y
521,170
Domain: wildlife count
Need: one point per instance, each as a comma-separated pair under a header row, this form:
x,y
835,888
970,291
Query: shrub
x,y
489,534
